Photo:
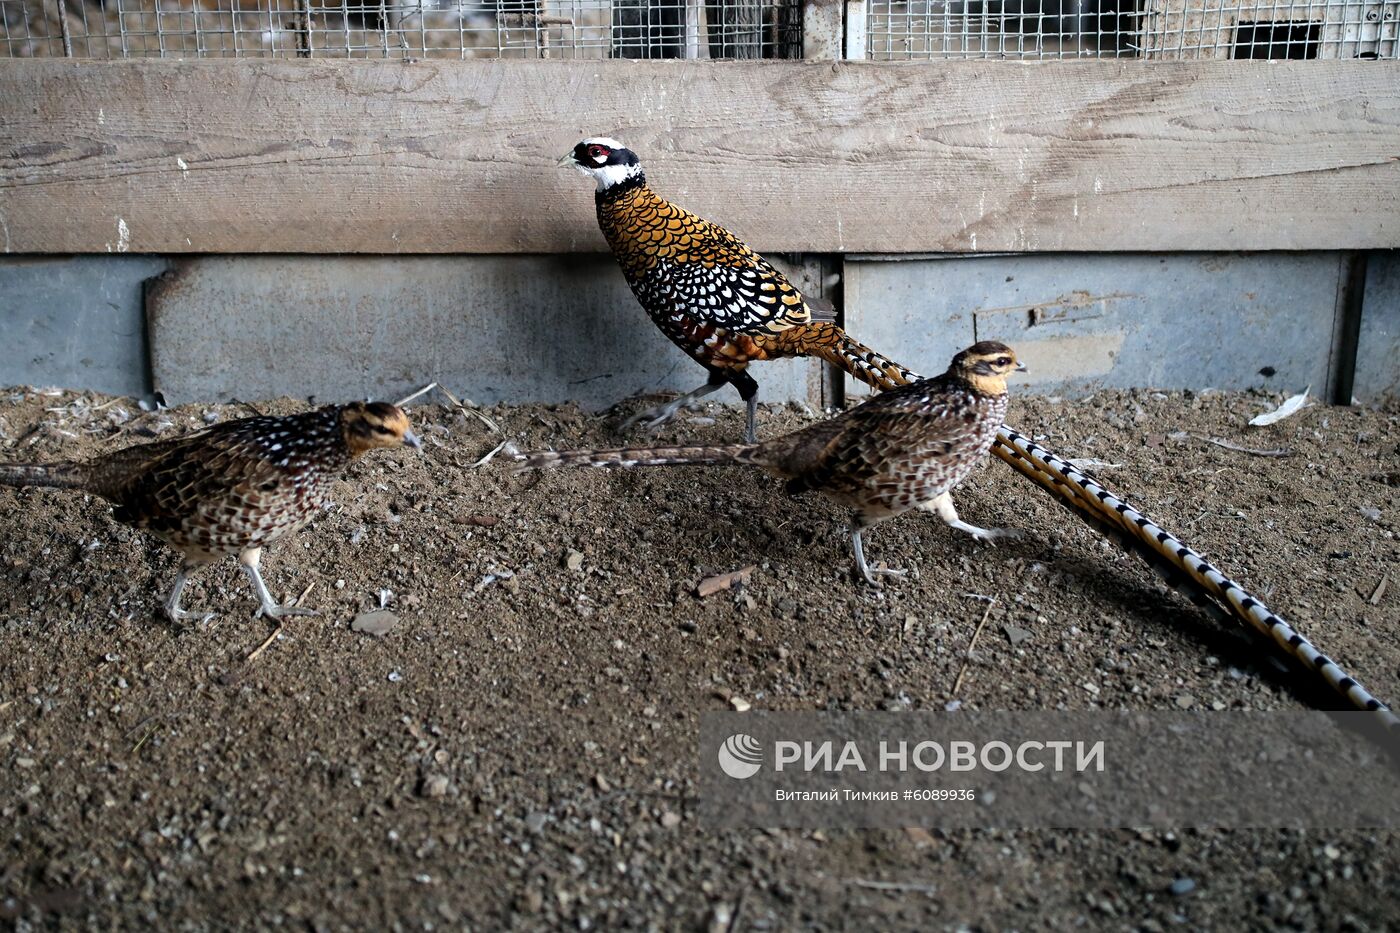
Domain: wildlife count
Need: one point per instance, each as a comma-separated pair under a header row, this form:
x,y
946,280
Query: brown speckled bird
x,y
231,488
906,448
716,299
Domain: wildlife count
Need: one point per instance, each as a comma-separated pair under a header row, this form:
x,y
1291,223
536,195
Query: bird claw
x,y
652,419
989,536
871,572
178,616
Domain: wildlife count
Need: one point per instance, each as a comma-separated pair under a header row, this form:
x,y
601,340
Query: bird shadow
x,y
1169,611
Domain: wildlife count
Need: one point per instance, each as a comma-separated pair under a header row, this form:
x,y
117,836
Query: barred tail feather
x,y
1110,529
1100,507
638,457
837,347
62,475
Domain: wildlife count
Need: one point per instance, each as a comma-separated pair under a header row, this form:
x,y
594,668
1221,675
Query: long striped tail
x,y
638,457
62,475
1183,568
838,348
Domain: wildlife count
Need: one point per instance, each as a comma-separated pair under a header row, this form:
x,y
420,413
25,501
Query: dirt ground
x,y
519,750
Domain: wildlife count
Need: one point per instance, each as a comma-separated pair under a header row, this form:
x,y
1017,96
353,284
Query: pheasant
x,y
232,488
903,449
716,299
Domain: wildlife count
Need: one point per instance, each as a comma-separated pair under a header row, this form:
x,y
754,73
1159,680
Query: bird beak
x,y
567,160
1021,368
412,440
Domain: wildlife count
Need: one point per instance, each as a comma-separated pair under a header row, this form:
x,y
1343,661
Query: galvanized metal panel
x,y
822,29
1230,321
75,322
1378,343
493,328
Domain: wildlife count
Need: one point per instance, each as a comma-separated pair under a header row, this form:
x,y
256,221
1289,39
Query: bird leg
x,y
857,526
172,602
654,418
748,391
942,506
250,558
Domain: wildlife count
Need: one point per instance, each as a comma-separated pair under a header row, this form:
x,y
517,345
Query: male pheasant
x,y
231,488
903,449
716,299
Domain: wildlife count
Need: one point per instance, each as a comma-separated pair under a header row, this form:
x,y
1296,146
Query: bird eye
x,y
1003,361
599,152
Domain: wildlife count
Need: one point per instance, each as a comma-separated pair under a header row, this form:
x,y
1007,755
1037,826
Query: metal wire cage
x,y
1014,29
594,29
1161,29
1272,29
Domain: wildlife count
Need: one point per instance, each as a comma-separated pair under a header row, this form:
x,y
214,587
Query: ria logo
x,y
740,756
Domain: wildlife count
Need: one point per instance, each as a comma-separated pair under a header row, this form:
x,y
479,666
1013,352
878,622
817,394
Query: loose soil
x,y
519,750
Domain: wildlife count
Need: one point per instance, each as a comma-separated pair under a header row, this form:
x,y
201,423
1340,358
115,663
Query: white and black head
x,y
606,161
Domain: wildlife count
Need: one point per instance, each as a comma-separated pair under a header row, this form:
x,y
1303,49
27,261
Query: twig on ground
x,y
1252,451
967,660
278,630
489,456
423,391
149,732
738,912
893,886
470,409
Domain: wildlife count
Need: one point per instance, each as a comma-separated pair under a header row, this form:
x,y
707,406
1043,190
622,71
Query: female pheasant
x,y
903,449
716,299
232,488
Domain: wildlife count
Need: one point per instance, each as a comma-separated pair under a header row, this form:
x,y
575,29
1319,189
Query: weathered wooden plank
x,y
307,156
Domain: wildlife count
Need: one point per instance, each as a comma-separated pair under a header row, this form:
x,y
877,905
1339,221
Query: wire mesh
x,y
1272,29
596,29
593,29
1161,29
1013,29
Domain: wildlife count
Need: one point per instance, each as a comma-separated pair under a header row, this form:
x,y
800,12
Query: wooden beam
x,y
171,156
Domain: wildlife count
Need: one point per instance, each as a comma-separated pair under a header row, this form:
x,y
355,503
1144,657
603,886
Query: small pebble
x,y
1183,886
395,677
378,623
1015,635
434,785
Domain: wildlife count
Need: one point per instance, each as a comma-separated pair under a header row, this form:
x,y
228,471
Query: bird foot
x,y
178,616
872,572
990,536
652,419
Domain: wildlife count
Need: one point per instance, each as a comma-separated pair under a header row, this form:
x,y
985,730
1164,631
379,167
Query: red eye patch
x,y
596,151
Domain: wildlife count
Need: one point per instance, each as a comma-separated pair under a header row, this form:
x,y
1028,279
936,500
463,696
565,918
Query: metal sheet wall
x,y
1230,321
